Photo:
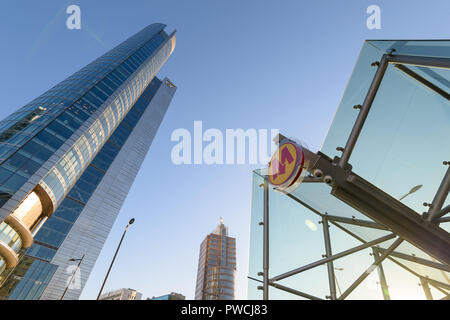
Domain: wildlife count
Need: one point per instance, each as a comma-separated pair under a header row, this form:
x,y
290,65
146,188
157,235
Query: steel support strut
x,y
364,112
420,61
381,275
333,257
328,252
266,242
426,288
287,289
371,268
439,198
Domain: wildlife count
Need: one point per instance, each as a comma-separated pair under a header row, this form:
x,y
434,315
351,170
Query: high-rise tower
x,y
216,273
68,160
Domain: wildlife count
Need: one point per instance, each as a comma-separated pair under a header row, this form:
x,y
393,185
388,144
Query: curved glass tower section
x,y
47,146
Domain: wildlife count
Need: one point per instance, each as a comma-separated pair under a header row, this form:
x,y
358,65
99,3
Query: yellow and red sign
x,y
286,165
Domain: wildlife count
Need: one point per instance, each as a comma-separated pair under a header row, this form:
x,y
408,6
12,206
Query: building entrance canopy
x,y
385,156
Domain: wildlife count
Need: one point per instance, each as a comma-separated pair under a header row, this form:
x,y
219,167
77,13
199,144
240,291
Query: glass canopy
x,y
401,150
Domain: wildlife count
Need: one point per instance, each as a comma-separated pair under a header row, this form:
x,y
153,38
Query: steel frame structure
x,y
387,213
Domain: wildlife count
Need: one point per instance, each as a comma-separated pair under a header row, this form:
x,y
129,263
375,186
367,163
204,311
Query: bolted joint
x,y
358,106
260,274
375,64
340,149
425,204
261,223
260,288
446,163
328,179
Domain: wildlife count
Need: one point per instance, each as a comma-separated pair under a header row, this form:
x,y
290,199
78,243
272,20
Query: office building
x,y
122,294
170,296
216,273
68,160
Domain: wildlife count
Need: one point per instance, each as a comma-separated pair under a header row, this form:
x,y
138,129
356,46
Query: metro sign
x,y
286,165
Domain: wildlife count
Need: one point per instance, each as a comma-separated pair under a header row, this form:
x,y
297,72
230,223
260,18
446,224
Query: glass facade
x,y
50,237
400,151
59,112
55,151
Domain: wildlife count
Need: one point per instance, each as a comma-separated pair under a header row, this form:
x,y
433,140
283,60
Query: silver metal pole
x,y
421,61
357,222
328,252
440,197
287,289
371,268
266,242
333,257
426,288
357,127
381,275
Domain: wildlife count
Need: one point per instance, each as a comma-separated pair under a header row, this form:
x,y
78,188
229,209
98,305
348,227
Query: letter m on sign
x,y
279,167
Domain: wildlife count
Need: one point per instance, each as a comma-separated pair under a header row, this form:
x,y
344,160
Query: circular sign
x,y
286,165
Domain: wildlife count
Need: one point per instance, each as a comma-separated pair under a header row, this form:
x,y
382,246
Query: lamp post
x,y
338,269
114,258
73,275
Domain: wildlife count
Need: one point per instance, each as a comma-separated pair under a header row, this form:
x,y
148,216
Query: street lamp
x,y
114,258
414,189
73,275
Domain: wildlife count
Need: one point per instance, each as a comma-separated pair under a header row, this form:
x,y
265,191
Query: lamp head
x,y
131,221
415,188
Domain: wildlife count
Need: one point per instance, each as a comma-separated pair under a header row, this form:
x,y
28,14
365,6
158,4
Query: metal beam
x,y
333,257
381,275
420,61
418,260
442,213
439,198
370,269
423,81
358,222
266,242
287,289
381,207
426,288
436,284
328,252
293,291
365,108
388,211
444,219
439,284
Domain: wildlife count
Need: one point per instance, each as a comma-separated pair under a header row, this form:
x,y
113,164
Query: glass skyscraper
x,y
216,274
68,160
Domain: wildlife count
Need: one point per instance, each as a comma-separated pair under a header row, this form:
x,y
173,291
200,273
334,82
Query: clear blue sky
x,y
237,64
